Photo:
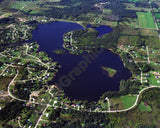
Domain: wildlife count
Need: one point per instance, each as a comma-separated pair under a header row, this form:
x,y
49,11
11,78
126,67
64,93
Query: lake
x,y
93,82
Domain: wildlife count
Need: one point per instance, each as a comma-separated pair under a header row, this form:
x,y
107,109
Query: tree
x,y
144,67
123,86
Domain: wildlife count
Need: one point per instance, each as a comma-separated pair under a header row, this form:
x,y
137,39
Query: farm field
x,y
136,0
145,20
19,4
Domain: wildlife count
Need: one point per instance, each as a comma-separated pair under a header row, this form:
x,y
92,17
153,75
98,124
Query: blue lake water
x,y
101,29
93,82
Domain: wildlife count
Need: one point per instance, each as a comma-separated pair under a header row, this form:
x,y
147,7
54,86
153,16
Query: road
x,y
148,54
41,116
38,60
108,111
23,7
10,94
4,70
135,104
154,18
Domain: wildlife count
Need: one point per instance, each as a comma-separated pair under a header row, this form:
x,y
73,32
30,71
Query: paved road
x,y
9,89
41,116
108,111
135,104
148,54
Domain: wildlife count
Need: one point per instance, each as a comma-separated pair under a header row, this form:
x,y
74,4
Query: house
x,y
47,114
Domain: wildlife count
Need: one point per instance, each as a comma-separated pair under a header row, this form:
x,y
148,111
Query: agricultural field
x,y
107,11
136,0
131,6
133,23
148,32
145,20
19,4
154,55
53,0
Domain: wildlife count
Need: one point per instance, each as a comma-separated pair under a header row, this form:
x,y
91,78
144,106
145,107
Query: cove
x,y
93,82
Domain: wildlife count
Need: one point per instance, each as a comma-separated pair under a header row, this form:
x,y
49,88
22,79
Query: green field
x,y
157,15
4,81
142,107
128,101
19,4
145,20
136,0
153,80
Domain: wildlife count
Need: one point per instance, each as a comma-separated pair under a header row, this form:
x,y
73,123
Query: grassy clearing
x,y
4,82
145,20
5,15
149,32
153,80
144,107
133,23
53,0
111,23
116,104
136,0
107,11
157,15
128,101
19,4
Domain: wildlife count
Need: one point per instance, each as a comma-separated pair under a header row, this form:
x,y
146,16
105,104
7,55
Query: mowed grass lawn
x,y
128,101
145,20
142,107
153,80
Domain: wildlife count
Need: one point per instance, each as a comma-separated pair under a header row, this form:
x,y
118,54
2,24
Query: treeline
x,y
85,39
8,20
142,4
76,118
68,118
126,87
11,111
118,8
88,39
15,110
129,63
69,12
23,90
1,63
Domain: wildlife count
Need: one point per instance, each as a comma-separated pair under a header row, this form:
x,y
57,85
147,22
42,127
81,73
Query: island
x,y
59,51
30,98
111,72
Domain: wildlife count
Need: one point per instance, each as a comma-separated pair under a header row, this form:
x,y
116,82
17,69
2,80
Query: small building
x,y
47,114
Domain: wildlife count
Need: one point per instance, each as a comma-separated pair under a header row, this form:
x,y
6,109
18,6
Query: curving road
x,y
135,104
